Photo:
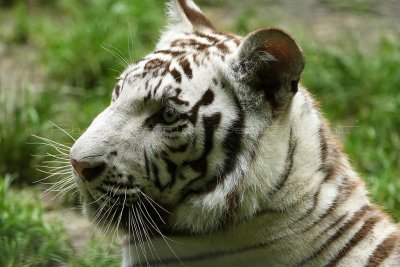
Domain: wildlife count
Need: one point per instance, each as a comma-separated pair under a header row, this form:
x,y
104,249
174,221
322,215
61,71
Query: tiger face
x,y
174,141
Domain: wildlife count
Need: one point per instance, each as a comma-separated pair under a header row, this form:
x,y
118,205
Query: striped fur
x,y
211,153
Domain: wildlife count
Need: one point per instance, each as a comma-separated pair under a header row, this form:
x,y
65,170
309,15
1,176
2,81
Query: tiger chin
x,y
211,153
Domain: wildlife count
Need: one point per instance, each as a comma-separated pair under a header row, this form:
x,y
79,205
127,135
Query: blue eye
x,y
170,116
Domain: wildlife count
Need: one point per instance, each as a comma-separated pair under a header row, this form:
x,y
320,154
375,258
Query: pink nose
x,y
88,171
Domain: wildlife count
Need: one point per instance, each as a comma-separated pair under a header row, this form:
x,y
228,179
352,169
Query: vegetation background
x,y
58,61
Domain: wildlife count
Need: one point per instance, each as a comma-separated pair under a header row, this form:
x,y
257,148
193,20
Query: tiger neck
x,y
296,156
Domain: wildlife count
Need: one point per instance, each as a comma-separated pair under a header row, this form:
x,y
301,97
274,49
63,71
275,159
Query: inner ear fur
x,y
270,60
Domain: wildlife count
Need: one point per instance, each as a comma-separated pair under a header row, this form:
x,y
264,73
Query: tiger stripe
x,y
384,250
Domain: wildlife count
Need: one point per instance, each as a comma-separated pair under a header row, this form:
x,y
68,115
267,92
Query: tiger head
x,y
179,135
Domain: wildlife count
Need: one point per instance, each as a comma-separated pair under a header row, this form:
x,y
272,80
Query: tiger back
x,y
211,153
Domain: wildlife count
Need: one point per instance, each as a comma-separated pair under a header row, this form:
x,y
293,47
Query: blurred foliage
x,y
21,27
30,113
23,114
28,240
25,238
354,6
93,41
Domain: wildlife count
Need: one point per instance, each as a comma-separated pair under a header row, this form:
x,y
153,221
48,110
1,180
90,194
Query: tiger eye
x,y
170,116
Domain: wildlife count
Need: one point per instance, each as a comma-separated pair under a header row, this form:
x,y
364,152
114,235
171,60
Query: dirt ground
x,y
324,20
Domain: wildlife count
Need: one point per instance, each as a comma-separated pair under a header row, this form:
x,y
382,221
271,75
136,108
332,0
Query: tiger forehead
x,y
184,52
161,74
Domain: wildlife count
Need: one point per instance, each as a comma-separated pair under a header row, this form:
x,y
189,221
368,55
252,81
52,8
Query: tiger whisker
x,y
61,182
165,238
114,70
145,233
54,167
99,219
119,52
96,220
61,157
131,225
48,141
120,59
55,163
100,211
64,131
116,51
151,200
151,245
51,174
150,220
95,201
61,150
139,235
110,221
60,192
120,216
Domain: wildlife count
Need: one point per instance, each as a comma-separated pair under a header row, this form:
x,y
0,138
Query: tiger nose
x,y
88,171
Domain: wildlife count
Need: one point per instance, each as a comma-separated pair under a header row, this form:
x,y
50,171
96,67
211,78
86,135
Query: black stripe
x,y
344,191
232,145
117,90
205,100
157,181
185,65
146,164
383,250
156,87
171,168
289,164
177,75
170,52
200,165
339,233
360,235
176,98
210,38
176,129
323,144
179,149
209,125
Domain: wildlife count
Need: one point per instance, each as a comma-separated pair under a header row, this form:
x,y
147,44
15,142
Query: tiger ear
x,y
186,15
269,60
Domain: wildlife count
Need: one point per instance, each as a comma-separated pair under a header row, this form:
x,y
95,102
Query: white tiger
x,y
212,154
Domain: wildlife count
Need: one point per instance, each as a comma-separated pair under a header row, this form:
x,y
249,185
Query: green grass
x,y
23,114
28,240
101,38
30,112
25,238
